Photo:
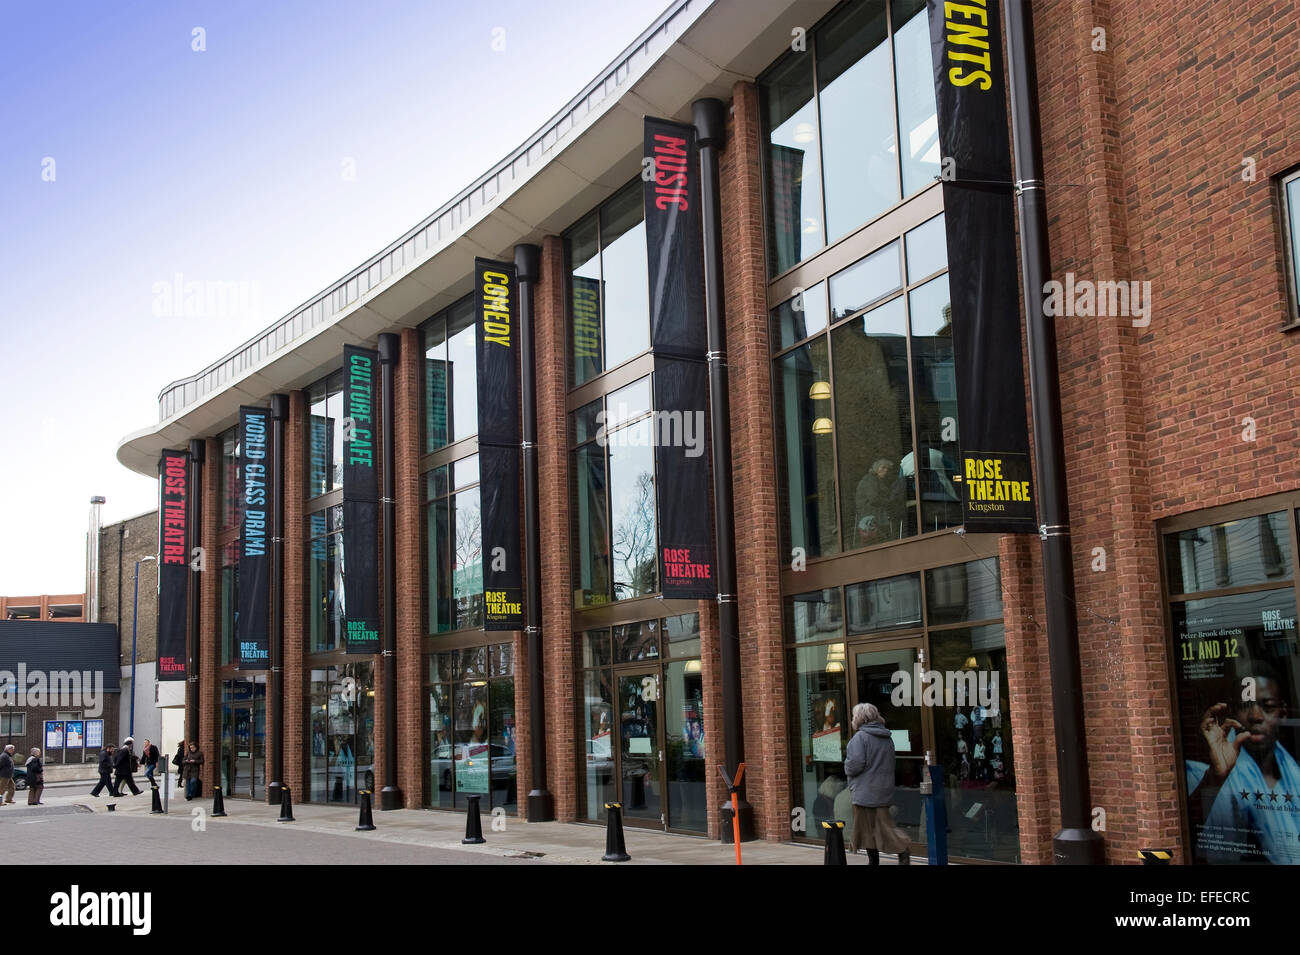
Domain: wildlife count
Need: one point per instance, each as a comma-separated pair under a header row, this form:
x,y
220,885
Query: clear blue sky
x,y
223,165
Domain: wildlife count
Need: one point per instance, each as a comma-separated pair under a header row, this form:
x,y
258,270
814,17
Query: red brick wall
x,y
553,493
296,681
410,581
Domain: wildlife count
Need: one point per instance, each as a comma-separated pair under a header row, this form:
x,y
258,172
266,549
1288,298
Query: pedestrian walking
x,y
105,771
35,778
124,764
193,770
149,755
7,775
179,762
869,764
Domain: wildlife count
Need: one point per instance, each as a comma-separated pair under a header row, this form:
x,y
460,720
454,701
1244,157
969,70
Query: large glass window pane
x,y
467,569
1293,225
230,478
859,152
884,604
632,512
627,403
325,577
1253,550
814,616
684,742
591,529
437,378
440,747
801,316
927,249
229,600
438,565
594,649
502,743
865,281
970,591
973,742
793,174
819,712
935,382
623,267
682,635
472,749
873,407
636,641
583,247
463,389
334,414
320,432
806,450
914,76
598,732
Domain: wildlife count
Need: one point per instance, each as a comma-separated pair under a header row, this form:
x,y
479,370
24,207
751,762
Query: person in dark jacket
x,y
179,762
7,775
105,772
123,768
149,755
869,764
193,770
35,778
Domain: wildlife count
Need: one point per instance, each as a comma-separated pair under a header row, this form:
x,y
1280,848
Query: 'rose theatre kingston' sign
x,y
173,562
251,638
360,502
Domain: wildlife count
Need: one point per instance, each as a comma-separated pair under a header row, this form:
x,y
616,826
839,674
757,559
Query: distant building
x,y
70,608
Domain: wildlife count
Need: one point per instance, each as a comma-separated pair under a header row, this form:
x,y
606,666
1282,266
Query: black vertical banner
x,y
251,637
360,501
496,305
679,337
970,90
173,562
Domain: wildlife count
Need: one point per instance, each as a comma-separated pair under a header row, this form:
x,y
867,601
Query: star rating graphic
x,y
1272,796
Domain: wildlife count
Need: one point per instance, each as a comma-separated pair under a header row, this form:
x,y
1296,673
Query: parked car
x,y
20,777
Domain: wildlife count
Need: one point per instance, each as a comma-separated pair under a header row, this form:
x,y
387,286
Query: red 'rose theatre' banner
x,y
496,315
995,472
251,638
173,562
679,337
360,501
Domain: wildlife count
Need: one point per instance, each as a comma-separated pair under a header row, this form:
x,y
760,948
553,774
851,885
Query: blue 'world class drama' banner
x,y
251,636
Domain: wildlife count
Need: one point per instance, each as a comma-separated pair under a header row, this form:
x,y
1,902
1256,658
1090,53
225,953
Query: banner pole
x,y
390,797
1076,843
279,415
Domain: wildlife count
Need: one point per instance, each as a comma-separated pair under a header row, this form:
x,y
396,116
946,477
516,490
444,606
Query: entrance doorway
x,y
243,737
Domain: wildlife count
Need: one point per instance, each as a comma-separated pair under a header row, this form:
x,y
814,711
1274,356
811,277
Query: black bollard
x,y
473,824
365,823
218,802
286,806
834,832
337,795
615,849
157,809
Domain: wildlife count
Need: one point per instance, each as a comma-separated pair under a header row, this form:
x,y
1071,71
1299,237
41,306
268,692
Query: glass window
x,y
229,477
865,282
437,376
927,249
962,592
873,406
597,770
836,158
325,580
682,635
855,98
819,712
814,616
918,124
806,450
1253,550
684,738
632,512
1290,191
934,381
609,294
229,599
450,376
591,529
793,164
636,641
342,744
453,547
325,436
884,604
595,649
801,316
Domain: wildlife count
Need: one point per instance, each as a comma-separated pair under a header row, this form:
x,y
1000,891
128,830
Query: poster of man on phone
x,y
1237,673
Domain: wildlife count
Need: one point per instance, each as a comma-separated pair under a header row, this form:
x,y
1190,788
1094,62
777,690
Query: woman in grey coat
x,y
869,764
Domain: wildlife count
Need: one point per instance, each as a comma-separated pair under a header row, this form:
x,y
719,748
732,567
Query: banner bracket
x,y
1053,530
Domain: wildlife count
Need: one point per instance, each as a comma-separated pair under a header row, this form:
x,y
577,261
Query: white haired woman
x,y
35,778
869,764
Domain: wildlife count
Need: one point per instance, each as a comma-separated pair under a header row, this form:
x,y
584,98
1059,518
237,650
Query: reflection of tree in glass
x,y
469,536
634,543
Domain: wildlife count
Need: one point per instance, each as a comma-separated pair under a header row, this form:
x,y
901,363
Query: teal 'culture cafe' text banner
x,y
995,474
496,316
360,500
251,638
173,562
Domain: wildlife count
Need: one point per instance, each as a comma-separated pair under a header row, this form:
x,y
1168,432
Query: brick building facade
x,y
1169,155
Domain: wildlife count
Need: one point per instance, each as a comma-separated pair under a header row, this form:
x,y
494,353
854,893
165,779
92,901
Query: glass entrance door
x,y
241,773
640,748
876,680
